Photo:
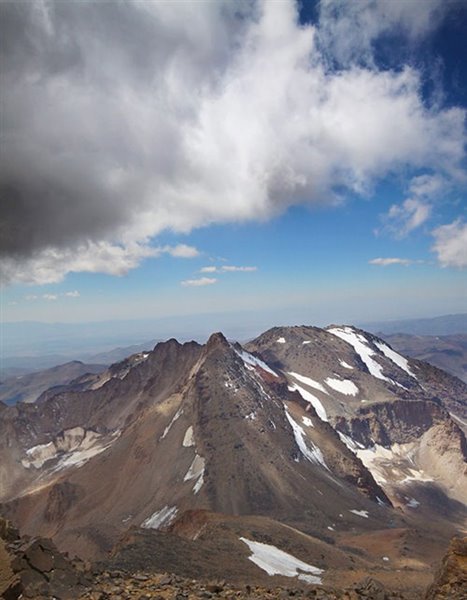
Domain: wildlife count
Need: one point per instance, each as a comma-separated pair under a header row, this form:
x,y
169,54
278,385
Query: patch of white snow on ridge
x,y
397,463
253,361
343,386
349,442
412,503
345,365
312,454
360,345
73,447
277,562
164,516
80,457
188,440
359,513
305,342
196,471
250,417
280,340
169,426
396,358
313,400
40,454
308,381
307,421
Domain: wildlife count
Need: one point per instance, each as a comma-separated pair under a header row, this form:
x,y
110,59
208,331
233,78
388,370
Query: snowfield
x,y
188,439
343,386
396,358
309,382
253,361
360,345
277,562
196,471
313,400
359,513
164,516
312,454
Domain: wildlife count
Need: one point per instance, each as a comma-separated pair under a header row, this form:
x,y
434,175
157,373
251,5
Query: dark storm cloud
x,y
76,151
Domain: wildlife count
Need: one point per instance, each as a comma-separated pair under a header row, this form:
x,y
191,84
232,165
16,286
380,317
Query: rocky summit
x,y
309,462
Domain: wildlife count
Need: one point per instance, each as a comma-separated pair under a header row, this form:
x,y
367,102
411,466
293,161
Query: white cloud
x,y
50,296
181,251
428,186
201,113
73,294
202,281
384,262
233,269
404,218
227,269
451,244
349,29
52,265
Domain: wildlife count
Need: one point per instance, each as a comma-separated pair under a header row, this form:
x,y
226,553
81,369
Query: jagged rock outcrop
x,y
451,580
35,569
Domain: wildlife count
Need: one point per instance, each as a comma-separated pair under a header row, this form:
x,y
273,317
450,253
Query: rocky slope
x,y
451,579
401,417
303,442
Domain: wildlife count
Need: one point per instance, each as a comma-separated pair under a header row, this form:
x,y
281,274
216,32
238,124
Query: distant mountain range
x,y
322,449
443,325
448,352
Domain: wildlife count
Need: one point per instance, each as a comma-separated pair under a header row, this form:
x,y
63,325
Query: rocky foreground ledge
x,y
33,568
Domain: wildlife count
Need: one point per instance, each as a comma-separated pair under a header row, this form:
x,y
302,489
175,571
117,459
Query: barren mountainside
x,y
324,444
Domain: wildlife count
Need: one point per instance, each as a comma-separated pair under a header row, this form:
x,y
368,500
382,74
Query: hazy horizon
x,y
251,163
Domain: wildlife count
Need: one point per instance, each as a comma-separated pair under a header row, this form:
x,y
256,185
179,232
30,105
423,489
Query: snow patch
x,y
253,361
250,417
345,365
277,562
305,342
343,386
360,345
188,440
396,463
349,442
176,416
196,471
359,513
73,447
412,503
313,400
307,421
164,516
396,358
280,340
308,381
312,454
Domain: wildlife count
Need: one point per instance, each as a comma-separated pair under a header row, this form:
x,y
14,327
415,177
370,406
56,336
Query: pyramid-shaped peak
x,y
216,340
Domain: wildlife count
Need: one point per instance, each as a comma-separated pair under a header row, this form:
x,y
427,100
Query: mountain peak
x,y
217,340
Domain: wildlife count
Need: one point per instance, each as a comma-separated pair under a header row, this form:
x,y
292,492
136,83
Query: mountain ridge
x,y
327,431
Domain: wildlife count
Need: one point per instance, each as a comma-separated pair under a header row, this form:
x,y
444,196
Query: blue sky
x,y
306,165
